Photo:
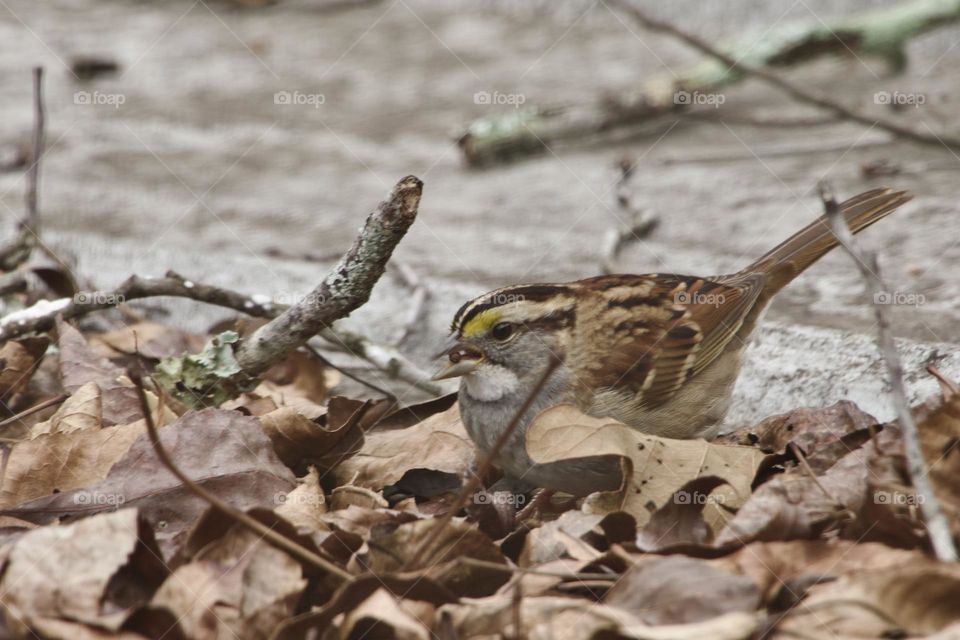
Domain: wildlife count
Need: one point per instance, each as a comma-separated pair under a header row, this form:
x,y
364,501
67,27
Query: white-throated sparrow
x,y
659,352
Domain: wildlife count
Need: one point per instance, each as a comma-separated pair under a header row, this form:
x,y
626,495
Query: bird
x,y
658,352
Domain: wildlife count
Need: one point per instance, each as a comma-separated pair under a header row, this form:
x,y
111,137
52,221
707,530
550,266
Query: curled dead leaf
x,y
660,466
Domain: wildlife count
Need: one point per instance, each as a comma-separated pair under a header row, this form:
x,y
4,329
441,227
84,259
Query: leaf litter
x,y
803,525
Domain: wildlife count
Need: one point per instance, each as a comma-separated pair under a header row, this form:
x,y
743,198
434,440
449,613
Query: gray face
x,y
526,352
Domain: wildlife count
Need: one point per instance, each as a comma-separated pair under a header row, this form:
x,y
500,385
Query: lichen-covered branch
x,y
882,33
344,289
937,525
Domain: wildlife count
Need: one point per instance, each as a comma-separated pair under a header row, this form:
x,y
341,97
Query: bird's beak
x,y
463,359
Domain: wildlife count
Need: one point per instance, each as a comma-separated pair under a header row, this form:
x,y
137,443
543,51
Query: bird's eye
x,y
502,331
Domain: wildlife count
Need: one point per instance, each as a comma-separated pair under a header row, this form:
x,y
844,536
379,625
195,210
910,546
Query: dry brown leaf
x,y
823,434
296,438
239,586
90,572
679,590
906,600
660,466
439,443
349,495
303,506
79,365
387,615
151,340
679,523
80,411
778,566
18,361
391,550
560,538
794,505
63,462
560,617
224,451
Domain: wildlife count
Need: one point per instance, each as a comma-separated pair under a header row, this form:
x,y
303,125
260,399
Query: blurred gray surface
x,y
200,171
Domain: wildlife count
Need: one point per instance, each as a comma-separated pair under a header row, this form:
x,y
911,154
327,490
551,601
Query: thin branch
x,y
41,317
866,261
794,90
35,408
475,481
33,173
284,544
28,228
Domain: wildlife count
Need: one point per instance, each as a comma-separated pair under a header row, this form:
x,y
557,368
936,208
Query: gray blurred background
x,y
183,160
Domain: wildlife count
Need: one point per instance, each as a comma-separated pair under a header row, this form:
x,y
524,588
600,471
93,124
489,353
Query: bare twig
x,y
41,317
471,487
776,80
33,173
284,544
49,402
383,357
642,222
866,261
19,250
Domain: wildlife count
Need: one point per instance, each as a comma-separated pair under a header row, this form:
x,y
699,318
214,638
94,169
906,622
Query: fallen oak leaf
x,y
659,465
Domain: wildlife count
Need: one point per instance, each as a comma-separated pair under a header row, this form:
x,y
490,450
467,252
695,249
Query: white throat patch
x,y
490,382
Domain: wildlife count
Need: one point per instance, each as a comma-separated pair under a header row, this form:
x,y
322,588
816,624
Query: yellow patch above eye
x,y
481,323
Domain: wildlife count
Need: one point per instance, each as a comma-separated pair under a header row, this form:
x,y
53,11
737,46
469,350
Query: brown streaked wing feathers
x,y
670,339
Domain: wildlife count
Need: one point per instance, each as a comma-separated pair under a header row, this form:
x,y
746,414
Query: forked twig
x,y
474,483
866,261
284,544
